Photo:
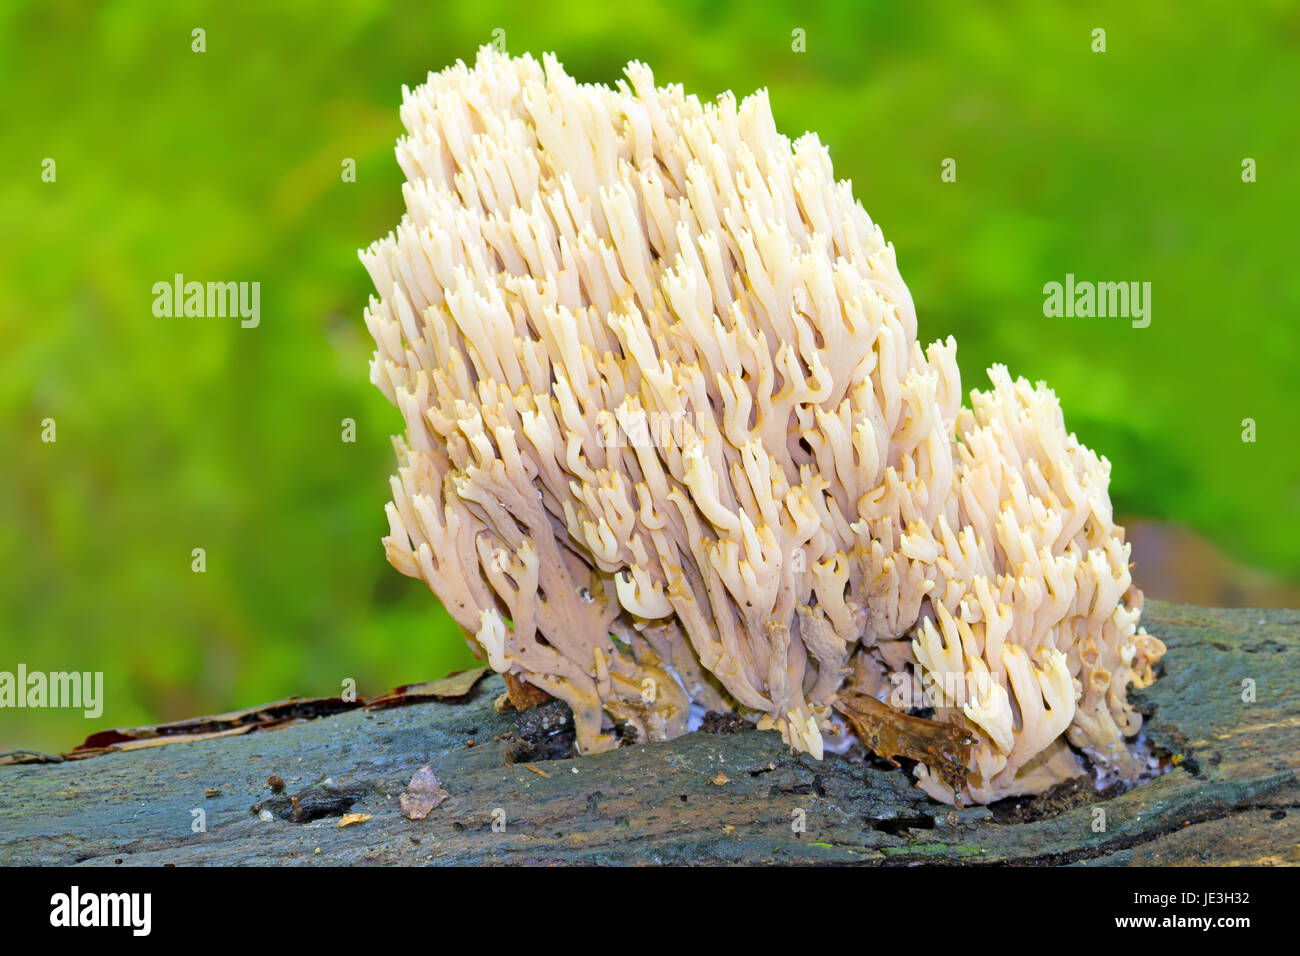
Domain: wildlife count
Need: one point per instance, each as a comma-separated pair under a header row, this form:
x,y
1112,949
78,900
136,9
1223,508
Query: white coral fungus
x,y
671,440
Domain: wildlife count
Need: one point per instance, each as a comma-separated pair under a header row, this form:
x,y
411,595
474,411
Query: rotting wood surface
x,y
718,798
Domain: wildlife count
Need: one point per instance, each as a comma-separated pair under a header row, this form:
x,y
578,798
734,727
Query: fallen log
x,y
1225,714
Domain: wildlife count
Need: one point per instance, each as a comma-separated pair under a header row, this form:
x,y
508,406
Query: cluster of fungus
x,y
671,444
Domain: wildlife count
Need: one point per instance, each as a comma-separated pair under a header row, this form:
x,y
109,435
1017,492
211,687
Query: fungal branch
x,y
671,444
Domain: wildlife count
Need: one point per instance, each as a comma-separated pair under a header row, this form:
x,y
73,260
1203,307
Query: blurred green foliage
x,y
225,165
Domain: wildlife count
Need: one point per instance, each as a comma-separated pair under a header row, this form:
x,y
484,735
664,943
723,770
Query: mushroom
x,y
671,441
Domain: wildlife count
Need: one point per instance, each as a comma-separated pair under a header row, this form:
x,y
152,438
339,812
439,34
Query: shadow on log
x,y
729,796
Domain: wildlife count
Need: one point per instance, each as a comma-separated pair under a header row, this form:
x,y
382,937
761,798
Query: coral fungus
x,y
671,442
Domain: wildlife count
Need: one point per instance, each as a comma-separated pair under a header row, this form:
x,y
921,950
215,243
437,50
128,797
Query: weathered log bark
x,y
715,797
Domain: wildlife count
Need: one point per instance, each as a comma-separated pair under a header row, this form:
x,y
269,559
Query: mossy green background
x,y
180,433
